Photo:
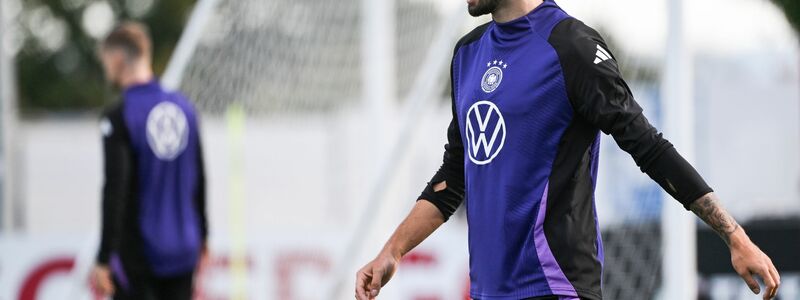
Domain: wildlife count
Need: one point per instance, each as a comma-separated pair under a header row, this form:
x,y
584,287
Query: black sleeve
x,y
118,174
200,197
451,171
598,94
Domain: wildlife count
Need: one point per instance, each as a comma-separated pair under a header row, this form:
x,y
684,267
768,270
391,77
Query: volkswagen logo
x,y
486,132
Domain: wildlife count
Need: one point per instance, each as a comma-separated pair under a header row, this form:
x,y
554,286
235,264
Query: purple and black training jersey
x,y
530,98
154,218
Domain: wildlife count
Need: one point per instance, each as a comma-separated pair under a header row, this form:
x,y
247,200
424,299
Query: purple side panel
x,y
119,272
556,279
593,175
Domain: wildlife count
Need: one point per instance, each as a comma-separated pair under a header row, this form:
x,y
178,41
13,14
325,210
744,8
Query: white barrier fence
x,y
283,266
279,266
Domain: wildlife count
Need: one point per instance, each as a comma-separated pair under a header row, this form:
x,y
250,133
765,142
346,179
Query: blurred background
x,y
322,121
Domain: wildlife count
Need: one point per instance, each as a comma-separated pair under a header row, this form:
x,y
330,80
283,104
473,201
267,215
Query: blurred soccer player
x,y
531,91
154,220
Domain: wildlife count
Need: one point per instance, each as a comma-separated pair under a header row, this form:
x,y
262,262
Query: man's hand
x,y
101,279
423,219
375,275
746,257
749,260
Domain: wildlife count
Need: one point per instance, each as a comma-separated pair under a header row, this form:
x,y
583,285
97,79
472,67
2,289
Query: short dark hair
x,y
130,37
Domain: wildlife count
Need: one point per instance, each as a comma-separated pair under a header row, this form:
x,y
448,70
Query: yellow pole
x,y
235,118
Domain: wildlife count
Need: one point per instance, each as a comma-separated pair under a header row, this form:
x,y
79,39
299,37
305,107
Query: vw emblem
x,y
486,132
167,130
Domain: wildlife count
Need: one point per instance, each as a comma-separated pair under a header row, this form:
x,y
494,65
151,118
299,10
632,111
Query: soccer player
x,y
531,91
154,221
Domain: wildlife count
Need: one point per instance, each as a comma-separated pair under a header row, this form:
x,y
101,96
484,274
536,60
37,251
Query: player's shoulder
x,y
112,110
578,44
111,119
472,36
571,34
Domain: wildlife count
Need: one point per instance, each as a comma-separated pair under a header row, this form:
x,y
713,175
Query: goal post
x,y
11,213
187,43
678,227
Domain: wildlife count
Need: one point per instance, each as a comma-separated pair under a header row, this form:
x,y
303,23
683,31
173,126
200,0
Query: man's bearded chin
x,y
483,7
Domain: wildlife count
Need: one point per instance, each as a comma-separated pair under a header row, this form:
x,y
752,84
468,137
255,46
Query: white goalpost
x,y
10,207
679,261
187,43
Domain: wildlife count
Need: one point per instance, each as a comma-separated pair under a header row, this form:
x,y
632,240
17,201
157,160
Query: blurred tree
x,y
792,10
57,67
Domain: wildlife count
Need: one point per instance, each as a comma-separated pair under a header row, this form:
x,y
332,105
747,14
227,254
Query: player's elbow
x,y
446,198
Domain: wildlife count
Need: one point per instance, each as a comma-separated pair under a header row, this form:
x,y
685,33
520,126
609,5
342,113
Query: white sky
x,y
712,26
720,27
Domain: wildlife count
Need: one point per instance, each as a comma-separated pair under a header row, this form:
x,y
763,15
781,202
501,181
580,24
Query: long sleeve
x,y
598,94
200,198
118,168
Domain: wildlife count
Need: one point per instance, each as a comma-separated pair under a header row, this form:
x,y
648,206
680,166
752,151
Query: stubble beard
x,y
484,7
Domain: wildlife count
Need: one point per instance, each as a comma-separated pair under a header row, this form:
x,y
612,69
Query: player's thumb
x,y
375,285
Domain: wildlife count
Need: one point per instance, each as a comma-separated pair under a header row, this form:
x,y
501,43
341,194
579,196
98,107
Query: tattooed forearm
x,y
711,211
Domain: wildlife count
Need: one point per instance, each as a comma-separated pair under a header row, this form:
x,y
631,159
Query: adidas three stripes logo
x,y
601,55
